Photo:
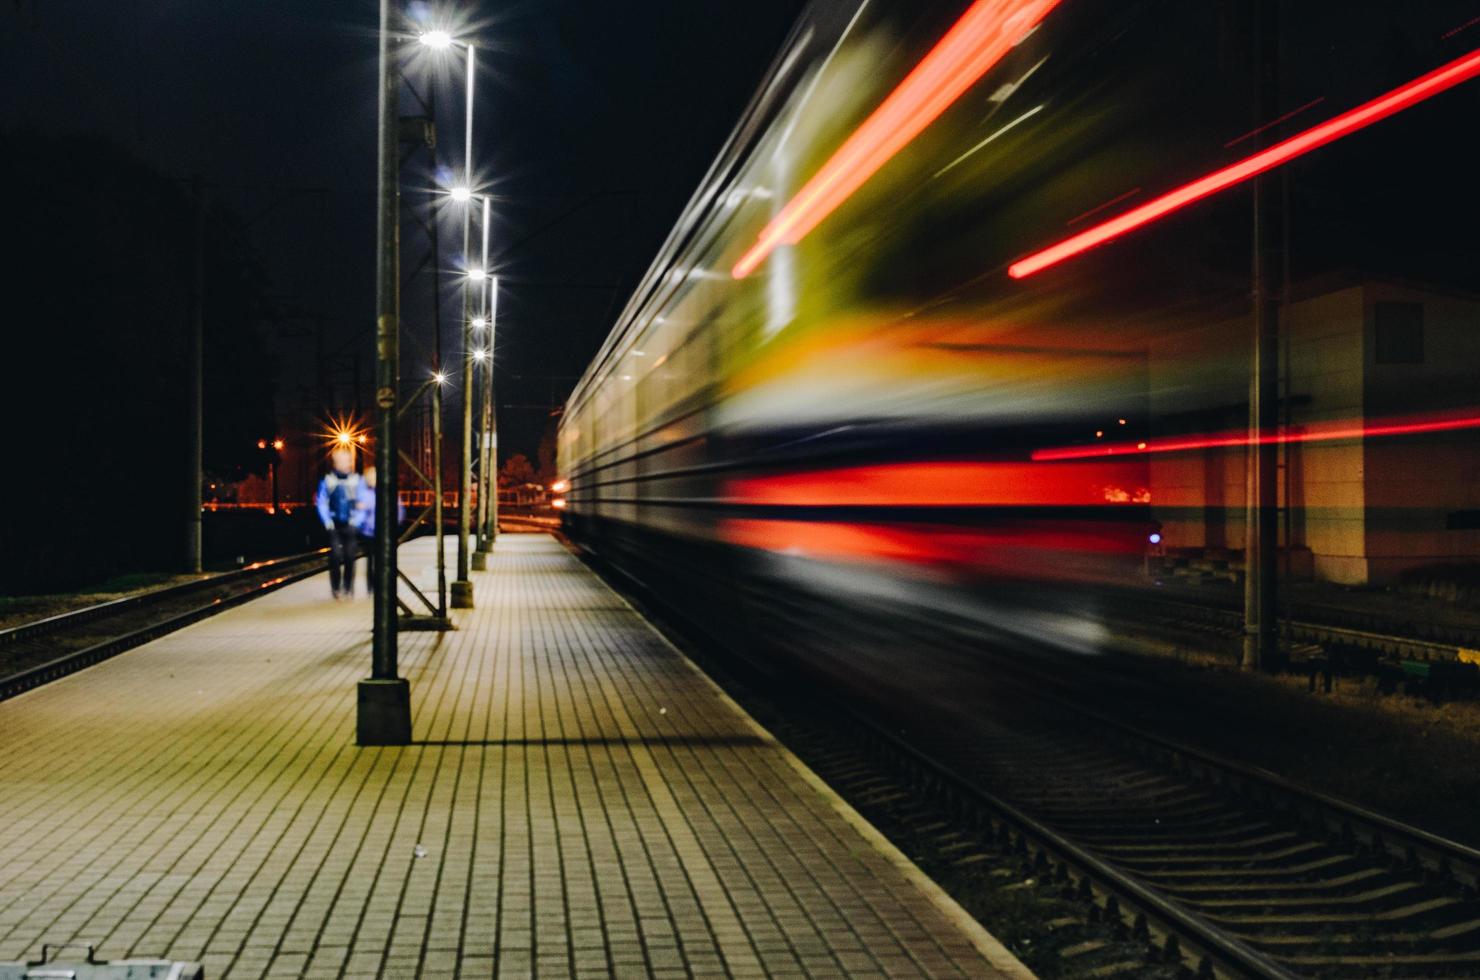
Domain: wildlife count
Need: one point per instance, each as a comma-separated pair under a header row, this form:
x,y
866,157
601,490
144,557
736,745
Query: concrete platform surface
x,y
580,800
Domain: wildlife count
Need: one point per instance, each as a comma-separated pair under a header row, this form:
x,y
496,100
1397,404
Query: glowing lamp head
x,y
261,443
480,356
439,378
559,486
461,194
479,323
477,275
558,503
436,40
277,444
1154,538
343,438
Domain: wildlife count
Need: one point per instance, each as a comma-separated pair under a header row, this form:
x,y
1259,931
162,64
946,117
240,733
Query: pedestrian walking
x,y
338,501
366,524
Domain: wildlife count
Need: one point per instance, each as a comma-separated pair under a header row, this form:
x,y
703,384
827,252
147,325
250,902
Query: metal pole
x,y
384,716
462,587
490,423
1261,528
195,370
437,514
480,559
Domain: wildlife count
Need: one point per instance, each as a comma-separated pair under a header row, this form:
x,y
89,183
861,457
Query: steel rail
x,y
70,663
66,620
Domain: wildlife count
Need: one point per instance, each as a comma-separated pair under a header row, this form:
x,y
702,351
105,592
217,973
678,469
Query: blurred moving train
x,y
966,298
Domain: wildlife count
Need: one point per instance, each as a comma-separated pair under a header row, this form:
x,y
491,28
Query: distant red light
x,y
1437,81
980,39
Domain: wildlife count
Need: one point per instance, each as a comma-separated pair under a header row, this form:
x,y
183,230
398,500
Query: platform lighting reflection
x,y
1439,80
974,44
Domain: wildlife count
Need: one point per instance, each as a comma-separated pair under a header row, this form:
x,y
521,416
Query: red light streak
x,y
945,484
1403,97
1100,207
1463,27
1319,432
1274,122
980,39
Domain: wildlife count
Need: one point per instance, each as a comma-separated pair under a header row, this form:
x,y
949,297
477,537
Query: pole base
x,y
384,716
462,595
480,561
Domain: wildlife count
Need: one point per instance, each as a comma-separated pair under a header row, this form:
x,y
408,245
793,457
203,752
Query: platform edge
x,y
989,946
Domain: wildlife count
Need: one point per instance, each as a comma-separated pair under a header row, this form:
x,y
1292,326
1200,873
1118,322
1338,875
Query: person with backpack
x,y
338,500
366,524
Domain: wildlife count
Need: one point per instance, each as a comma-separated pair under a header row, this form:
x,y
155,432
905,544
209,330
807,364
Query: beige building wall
x,y
1361,510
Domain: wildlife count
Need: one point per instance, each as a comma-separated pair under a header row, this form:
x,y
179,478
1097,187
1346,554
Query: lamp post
x,y
384,698
462,586
481,323
490,426
195,384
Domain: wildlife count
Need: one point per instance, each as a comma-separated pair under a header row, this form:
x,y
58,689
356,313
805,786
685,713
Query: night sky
x,y
596,120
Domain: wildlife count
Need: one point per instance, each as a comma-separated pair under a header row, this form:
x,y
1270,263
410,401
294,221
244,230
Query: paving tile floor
x,y
579,801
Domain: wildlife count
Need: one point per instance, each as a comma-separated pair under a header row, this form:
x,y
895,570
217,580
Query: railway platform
x,y
578,800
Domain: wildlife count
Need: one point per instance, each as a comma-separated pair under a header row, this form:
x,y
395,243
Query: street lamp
x,y
272,467
383,709
436,40
462,194
490,425
462,586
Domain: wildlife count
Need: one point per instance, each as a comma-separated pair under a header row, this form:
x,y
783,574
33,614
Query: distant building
x,y
1362,509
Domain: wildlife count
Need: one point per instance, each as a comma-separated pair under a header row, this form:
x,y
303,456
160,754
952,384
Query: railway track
x,y
1334,633
36,653
1176,860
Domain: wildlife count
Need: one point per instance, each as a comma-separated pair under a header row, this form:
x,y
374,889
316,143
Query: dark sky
x,y
596,120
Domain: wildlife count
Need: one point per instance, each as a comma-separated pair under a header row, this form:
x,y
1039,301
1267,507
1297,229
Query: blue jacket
x,y
336,499
365,507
